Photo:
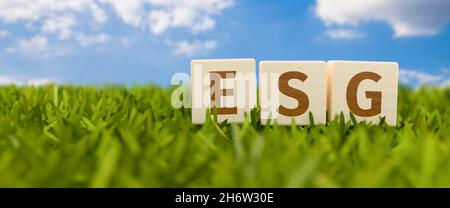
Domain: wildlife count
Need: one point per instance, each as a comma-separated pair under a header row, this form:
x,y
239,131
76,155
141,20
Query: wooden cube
x,y
367,89
225,86
289,90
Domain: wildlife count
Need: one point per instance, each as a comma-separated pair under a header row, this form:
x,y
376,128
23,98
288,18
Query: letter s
x,y
300,96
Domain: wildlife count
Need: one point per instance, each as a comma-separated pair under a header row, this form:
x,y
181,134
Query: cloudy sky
x,y
147,41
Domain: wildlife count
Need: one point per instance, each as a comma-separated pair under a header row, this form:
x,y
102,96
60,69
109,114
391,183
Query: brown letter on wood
x,y
300,96
217,91
375,96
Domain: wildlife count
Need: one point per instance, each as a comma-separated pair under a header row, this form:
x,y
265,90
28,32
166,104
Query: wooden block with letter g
x,y
367,89
225,86
290,90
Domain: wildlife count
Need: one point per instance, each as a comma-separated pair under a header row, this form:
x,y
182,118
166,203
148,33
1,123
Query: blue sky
x,y
147,41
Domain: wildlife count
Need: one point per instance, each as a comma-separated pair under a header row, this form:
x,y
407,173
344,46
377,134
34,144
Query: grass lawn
x,y
114,136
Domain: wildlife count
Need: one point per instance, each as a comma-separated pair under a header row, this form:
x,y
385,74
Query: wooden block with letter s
x,y
225,86
367,89
290,90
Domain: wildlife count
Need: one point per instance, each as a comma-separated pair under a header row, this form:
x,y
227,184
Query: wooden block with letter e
x,y
290,90
225,86
367,89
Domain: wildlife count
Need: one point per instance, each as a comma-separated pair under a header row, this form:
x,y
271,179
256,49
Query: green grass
x,y
132,137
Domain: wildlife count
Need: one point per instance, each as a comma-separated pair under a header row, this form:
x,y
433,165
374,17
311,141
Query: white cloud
x,y
415,77
4,80
37,46
345,34
127,42
33,10
3,33
10,50
206,24
406,17
7,80
159,21
445,83
63,18
98,13
45,18
87,40
193,14
61,25
194,48
129,11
